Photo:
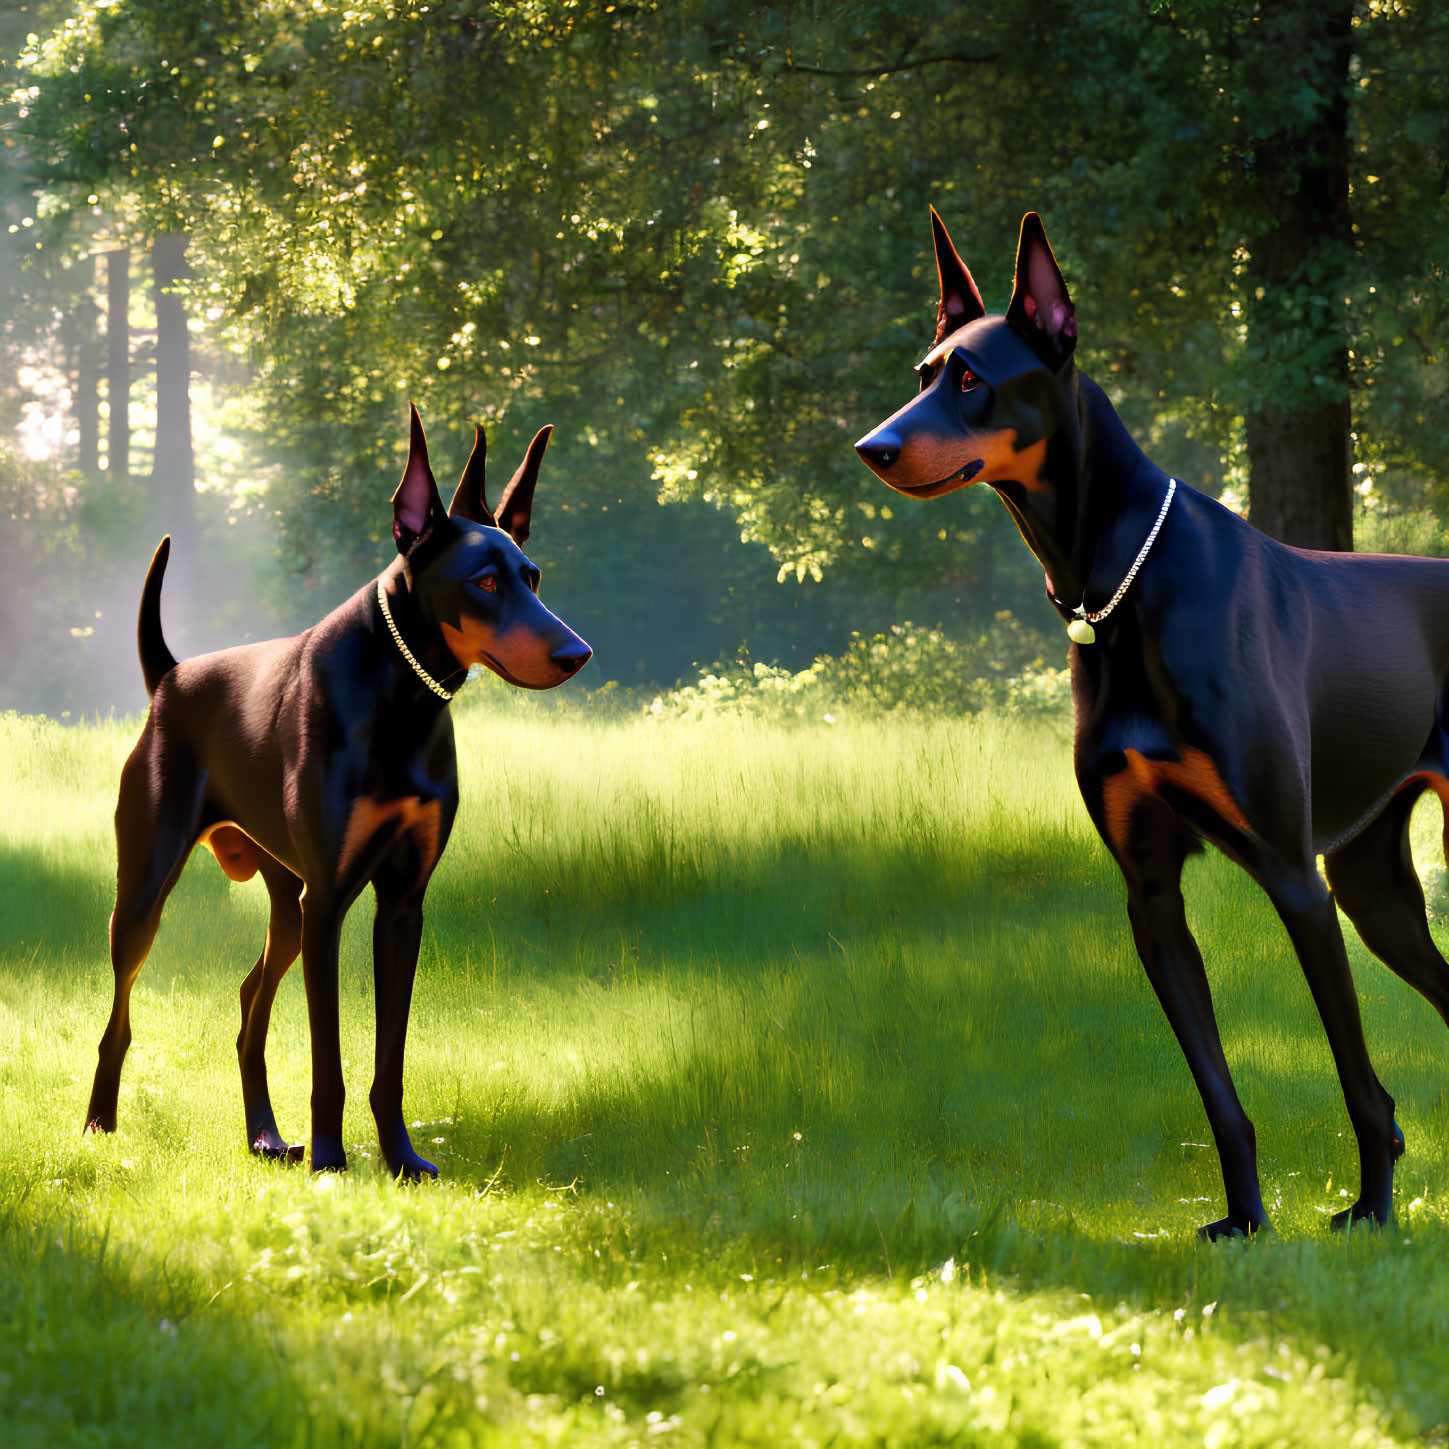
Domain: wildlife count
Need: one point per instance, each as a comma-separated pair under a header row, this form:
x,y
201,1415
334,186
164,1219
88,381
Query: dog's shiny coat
x,y
1280,703
326,762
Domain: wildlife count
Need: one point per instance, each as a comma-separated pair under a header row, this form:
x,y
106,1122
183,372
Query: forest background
x,y
694,236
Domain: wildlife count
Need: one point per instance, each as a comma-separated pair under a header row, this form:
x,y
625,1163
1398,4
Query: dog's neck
x,y
421,636
1104,493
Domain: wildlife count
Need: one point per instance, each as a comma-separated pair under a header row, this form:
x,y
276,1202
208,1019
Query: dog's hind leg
x,y
1306,908
1374,881
1375,884
259,990
154,835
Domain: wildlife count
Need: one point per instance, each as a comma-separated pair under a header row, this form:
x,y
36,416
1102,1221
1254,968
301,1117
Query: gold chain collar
x,y
406,652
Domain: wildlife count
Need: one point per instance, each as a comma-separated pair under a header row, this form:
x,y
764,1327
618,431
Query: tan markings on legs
x,y
422,820
1194,774
234,850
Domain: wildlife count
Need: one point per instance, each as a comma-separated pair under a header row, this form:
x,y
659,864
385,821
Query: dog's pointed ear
x,y
960,301
469,499
1040,306
416,506
515,508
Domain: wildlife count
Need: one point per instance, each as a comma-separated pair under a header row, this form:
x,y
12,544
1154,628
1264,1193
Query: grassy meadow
x,y
790,1083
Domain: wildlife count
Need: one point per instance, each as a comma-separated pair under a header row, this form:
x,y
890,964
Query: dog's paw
x,y
1231,1227
1359,1215
412,1168
271,1148
328,1154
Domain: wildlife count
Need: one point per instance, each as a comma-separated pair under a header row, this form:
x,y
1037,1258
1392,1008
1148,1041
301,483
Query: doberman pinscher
x,y
326,762
1279,703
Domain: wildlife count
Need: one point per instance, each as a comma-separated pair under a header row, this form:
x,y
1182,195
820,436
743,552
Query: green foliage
x,y
42,554
786,1081
906,669
697,234
1381,528
694,236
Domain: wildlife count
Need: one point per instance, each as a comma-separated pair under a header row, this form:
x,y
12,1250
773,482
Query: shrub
x,y
907,668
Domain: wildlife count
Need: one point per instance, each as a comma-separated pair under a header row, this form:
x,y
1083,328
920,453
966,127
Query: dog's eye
x,y
968,380
488,583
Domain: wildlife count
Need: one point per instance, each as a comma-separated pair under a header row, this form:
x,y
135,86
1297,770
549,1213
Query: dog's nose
x,y
572,656
879,449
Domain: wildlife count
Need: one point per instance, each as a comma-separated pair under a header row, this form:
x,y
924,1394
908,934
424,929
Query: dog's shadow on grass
x,y
897,1073
51,908
824,1057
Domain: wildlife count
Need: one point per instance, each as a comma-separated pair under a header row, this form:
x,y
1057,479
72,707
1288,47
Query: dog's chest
x,y
1127,757
376,824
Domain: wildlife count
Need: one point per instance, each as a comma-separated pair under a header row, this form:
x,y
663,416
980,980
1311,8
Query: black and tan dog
x,y
1280,703
326,761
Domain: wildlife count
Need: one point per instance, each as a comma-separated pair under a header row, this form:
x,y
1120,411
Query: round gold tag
x,y
1079,631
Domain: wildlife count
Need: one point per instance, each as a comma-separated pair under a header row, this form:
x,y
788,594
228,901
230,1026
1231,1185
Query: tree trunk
x,y
173,469
173,466
1298,426
1300,474
118,363
87,380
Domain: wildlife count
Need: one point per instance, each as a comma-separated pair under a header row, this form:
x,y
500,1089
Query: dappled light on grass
x,y
727,1037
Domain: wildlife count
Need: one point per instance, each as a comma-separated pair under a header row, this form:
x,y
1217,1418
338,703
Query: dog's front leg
x,y
1152,863
396,934
322,915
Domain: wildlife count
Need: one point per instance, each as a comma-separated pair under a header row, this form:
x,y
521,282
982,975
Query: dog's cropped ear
x,y
1040,307
515,508
960,301
469,499
416,507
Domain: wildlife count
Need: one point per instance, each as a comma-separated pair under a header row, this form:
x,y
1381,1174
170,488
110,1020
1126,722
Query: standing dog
x,y
1280,703
327,762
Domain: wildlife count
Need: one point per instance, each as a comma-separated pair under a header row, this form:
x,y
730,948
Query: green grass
x,y
790,1085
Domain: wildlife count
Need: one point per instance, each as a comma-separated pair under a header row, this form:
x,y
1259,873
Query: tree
x,y
1297,425
609,215
696,236
118,364
83,349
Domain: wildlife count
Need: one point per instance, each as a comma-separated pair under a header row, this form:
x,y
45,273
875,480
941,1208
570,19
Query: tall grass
x,y
786,1080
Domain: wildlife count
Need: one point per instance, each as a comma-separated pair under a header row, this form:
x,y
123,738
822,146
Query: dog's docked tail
x,y
156,659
